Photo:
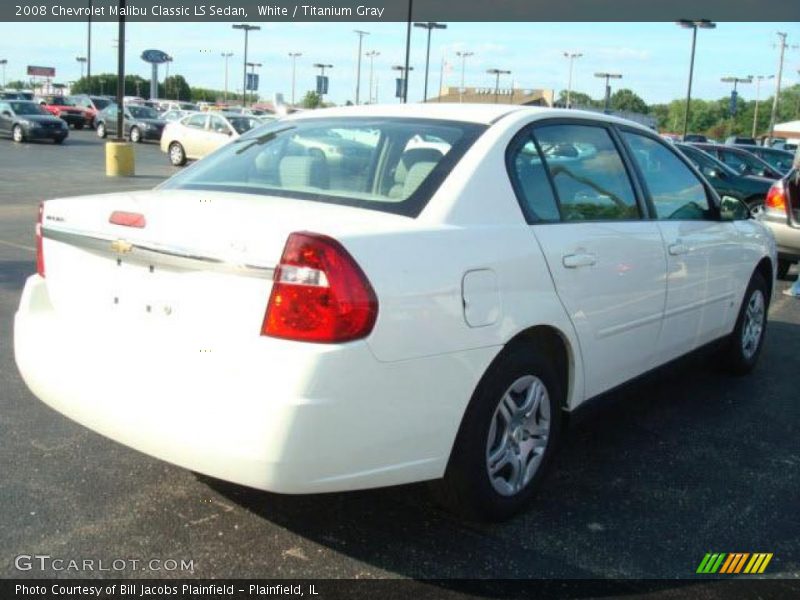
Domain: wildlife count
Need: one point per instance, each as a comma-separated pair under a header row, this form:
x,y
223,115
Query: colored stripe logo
x,y
734,563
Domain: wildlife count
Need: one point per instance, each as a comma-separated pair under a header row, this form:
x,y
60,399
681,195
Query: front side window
x,y
26,108
218,125
196,121
142,112
387,164
676,192
590,179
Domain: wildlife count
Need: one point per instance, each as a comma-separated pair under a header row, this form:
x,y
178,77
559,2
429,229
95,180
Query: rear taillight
x,y
319,294
127,219
776,197
39,249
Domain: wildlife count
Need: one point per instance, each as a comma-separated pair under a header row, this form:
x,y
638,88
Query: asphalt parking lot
x,y
685,462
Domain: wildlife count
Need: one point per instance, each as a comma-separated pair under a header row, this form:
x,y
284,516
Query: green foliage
x,y
19,85
312,100
626,100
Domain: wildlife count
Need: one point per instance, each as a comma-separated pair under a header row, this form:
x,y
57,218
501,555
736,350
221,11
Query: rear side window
x,y
590,179
529,179
676,192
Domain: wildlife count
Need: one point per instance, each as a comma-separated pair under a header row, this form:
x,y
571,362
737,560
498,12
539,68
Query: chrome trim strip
x,y
154,253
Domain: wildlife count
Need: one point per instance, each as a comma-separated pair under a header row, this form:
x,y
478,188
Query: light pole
x,y
294,56
571,56
404,78
463,56
371,55
166,77
759,79
322,67
247,29
3,63
360,35
430,26
497,73
607,77
253,66
89,43
80,59
735,81
694,26
226,56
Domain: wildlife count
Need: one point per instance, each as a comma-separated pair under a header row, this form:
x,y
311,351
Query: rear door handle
x,y
678,248
573,261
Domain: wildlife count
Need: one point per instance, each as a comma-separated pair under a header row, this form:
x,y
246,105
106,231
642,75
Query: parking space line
x,y
18,246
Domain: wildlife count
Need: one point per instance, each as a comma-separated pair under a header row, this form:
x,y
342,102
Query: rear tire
x,y
136,135
177,155
783,268
740,353
507,437
101,130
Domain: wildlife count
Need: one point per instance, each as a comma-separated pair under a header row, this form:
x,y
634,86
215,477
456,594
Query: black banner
x,y
398,10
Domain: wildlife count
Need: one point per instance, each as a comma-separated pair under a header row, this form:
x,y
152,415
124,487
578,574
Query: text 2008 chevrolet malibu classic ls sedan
x,y
425,310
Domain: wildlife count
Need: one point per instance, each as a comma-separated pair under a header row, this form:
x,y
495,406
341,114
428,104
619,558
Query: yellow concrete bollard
x,y
120,159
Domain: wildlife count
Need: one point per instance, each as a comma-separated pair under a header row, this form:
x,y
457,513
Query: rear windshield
x,y
387,164
100,103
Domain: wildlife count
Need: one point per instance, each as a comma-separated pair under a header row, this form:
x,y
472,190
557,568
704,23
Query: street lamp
x,y
3,63
293,56
463,56
497,73
430,26
247,29
166,77
759,79
571,56
694,26
607,77
82,61
735,81
322,67
404,78
371,55
226,56
253,66
360,35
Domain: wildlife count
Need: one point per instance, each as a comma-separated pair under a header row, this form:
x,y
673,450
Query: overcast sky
x,y
652,57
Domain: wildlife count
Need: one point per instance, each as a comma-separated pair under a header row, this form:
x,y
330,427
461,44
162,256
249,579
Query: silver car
x,y
781,213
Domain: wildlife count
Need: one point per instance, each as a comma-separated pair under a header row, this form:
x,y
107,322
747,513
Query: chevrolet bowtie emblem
x,y
121,246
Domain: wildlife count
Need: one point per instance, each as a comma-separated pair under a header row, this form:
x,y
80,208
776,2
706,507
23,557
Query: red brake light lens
x,y
776,199
319,294
127,219
39,245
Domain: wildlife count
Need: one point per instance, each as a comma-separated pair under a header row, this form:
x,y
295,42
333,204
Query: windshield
x,y
372,163
142,112
27,108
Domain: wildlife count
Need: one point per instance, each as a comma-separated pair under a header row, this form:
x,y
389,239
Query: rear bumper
x,y
787,239
280,416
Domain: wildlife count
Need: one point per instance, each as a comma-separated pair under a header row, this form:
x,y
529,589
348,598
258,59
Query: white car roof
x,y
472,113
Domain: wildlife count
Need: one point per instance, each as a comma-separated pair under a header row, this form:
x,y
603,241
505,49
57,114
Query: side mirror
x,y
733,209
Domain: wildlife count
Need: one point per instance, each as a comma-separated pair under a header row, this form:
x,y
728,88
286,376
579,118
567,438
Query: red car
x,y
91,104
62,107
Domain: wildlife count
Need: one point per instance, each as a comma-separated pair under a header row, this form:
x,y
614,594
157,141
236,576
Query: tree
x,y
312,100
627,100
577,100
19,84
175,87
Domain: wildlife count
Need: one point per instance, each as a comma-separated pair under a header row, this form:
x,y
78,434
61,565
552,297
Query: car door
x,y
6,118
605,256
192,135
218,133
110,120
702,253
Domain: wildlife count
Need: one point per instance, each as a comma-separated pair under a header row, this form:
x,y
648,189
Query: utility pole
x,y
607,77
778,78
360,35
226,56
463,56
247,29
693,25
571,56
430,26
293,56
497,73
758,79
371,55
407,67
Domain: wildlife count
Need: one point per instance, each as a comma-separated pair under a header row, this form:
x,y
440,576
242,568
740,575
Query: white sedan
x,y
200,133
300,325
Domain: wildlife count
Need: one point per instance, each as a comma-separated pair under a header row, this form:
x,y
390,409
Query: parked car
x,y
169,105
199,134
91,104
695,137
738,140
174,115
780,160
26,120
64,108
727,182
782,215
741,160
140,122
270,319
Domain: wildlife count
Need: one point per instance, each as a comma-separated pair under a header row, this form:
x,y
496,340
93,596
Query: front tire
x,y
508,435
742,349
101,130
177,155
136,135
17,134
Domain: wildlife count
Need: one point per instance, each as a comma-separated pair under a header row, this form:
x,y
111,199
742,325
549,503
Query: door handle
x,y
573,261
678,248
